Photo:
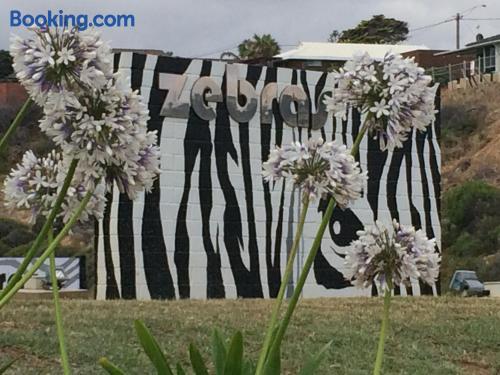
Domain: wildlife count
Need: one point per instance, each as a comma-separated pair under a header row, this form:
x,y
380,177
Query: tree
x,y
5,64
334,36
264,46
377,30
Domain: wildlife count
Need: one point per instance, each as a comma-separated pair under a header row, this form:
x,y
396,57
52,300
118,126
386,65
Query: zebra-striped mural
x,y
211,228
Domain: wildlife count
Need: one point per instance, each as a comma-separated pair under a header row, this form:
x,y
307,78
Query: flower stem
x,y
276,344
284,283
57,309
43,232
359,138
50,249
303,276
383,331
17,120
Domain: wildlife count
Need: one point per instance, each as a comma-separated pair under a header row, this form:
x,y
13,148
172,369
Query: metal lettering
x,y
205,90
294,94
267,96
319,118
172,107
238,87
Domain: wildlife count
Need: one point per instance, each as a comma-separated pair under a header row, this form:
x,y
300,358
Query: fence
x,y
466,69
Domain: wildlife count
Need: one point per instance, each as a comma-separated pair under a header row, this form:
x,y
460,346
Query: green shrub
x,y
460,121
473,197
490,268
17,237
6,226
472,208
471,230
467,245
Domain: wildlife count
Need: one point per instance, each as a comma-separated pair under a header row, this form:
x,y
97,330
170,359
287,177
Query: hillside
x,y
471,182
471,135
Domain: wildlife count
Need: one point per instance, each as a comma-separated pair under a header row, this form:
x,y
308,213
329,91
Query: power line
x,y
482,19
431,25
219,50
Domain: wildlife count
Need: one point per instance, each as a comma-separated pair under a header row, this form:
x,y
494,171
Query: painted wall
x,y
73,268
211,228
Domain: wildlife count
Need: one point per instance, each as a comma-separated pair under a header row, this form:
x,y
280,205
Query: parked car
x,y
467,284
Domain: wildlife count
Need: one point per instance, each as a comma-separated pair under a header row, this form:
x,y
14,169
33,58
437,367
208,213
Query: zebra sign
x,y
205,90
73,268
211,227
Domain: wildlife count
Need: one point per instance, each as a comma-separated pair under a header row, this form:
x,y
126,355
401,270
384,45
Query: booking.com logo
x,y
60,19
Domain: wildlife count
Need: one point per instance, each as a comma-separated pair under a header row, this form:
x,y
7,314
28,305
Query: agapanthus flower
x,y
35,183
394,94
392,258
318,168
107,131
55,60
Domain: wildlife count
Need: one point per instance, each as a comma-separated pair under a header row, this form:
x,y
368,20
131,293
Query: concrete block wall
x,y
211,228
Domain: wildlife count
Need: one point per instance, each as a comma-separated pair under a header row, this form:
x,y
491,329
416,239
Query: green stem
x,y
303,276
383,331
276,344
43,232
50,249
17,120
359,138
284,283
57,309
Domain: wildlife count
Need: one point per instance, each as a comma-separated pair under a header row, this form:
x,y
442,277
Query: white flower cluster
x,y
35,183
383,257
107,131
90,114
54,61
319,168
394,94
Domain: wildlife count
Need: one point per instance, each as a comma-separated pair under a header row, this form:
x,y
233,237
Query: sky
x,y
205,28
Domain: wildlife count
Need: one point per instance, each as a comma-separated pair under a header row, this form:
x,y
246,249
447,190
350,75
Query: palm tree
x,y
264,46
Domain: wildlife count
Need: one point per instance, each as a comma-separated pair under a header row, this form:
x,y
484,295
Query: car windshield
x,y
467,276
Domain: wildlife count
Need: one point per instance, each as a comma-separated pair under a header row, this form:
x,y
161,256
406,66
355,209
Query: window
x,y
487,61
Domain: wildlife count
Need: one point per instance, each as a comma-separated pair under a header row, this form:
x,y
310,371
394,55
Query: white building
x,y
320,55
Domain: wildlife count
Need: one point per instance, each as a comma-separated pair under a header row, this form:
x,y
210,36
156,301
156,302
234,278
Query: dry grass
x,y
428,335
471,135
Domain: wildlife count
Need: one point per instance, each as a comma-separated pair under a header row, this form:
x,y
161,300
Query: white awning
x,y
344,51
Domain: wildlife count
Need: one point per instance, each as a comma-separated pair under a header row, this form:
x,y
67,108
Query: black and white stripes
x,y
211,228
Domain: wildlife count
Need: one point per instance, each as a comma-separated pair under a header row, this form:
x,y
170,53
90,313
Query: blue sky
x,y
201,28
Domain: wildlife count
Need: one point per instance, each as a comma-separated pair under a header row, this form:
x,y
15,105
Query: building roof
x,y
343,51
491,39
472,46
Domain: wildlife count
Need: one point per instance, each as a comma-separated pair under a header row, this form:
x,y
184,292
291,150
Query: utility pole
x,y
460,16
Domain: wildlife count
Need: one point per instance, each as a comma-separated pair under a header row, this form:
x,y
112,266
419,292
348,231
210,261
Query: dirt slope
x,y
471,135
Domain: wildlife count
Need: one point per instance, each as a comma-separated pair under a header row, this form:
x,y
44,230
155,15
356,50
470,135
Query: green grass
x,y
445,335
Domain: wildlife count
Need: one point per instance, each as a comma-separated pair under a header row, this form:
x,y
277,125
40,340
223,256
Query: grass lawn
x,y
428,335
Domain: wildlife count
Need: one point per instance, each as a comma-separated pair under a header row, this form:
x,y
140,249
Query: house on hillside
x,y
325,56
485,54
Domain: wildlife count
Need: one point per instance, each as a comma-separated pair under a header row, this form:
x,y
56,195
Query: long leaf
x,y
219,352
312,365
272,365
248,368
7,365
197,361
109,367
152,349
180,370
234,361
